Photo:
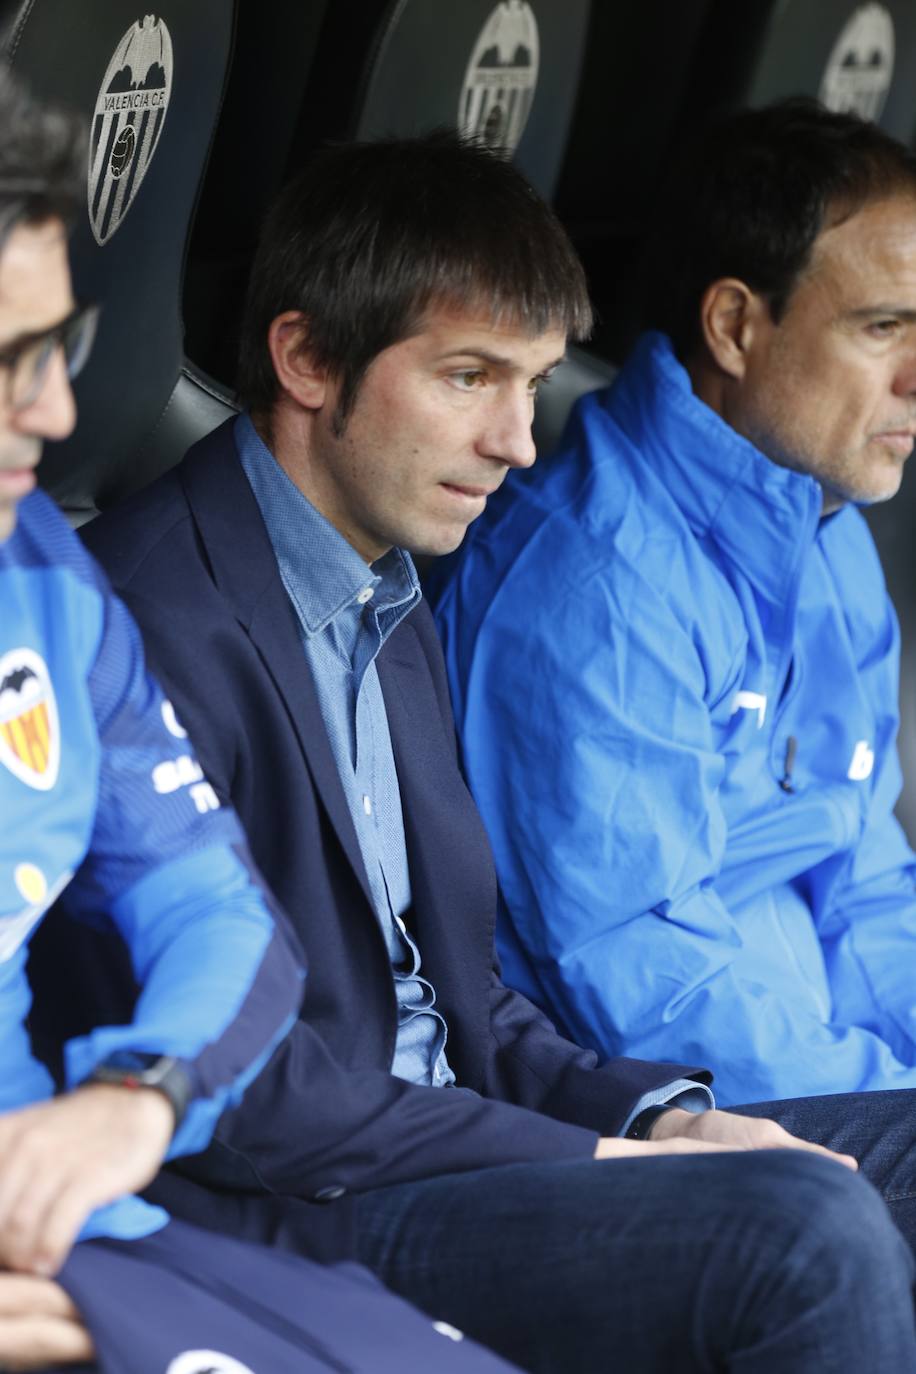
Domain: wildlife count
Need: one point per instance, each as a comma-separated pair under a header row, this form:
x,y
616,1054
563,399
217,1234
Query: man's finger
x,y
849,1161
57,1228
17,1173
23,1243
783,1139
27,1295
34,1342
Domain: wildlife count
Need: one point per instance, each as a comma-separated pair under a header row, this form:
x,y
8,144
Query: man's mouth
x,y
473,492
900,441
17,482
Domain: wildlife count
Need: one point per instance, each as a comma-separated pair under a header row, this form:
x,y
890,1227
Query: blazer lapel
x,y
244,568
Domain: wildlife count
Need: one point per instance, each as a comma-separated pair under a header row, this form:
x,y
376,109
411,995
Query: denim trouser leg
x,y
761,1262
878,1128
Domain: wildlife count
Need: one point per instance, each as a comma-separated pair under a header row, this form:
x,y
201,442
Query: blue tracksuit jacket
x,y
101,797
644,638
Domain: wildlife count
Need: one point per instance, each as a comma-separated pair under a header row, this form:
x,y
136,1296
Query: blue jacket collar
x,y
761,515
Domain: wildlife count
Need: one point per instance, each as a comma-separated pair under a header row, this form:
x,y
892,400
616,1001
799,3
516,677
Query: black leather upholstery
x,y
852,55
139,403
638,62
340,69
581,372
421,72
257,143
893,524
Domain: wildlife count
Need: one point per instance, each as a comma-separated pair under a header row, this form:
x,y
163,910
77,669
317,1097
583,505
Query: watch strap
x,y
642,1124
162,1073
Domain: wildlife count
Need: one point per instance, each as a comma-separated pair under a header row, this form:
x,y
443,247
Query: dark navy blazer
x,y
192,558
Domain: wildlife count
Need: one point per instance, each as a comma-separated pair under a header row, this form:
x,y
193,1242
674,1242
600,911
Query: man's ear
x,y
730,316
296,372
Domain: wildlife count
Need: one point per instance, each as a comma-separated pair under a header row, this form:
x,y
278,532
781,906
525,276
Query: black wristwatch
x,y
131,1069
642,1124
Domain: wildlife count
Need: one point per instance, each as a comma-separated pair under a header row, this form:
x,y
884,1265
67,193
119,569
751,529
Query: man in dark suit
x,y
407,301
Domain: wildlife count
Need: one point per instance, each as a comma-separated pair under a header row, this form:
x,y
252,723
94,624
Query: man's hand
x,y
39,1326
62,1158
734,1132
615,1147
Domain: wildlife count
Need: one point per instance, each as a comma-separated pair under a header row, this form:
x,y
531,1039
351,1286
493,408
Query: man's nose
x,y
904,383
52,414
508,436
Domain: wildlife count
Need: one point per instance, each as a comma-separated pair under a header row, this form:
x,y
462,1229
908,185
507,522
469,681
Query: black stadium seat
x,y
255,147
507,72
853,56
308,73
151,86
638,60
581,372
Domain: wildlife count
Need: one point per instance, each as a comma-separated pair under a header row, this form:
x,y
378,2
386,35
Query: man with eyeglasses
x,y
25,362
34,409
101,801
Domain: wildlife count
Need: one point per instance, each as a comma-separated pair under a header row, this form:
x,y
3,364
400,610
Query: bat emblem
x,y
16,679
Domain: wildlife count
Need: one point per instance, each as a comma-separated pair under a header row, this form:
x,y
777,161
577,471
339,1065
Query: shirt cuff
x,y
683,1093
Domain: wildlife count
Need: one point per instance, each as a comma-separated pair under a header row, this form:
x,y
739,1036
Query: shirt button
x,y
367,805
365,595
329,1194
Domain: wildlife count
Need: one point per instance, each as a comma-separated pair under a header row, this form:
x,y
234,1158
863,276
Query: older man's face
x,y
831,389
35,295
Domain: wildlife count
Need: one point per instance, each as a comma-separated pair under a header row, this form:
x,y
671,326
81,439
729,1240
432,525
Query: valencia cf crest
x,y
861,66
29,726
502,77
128,118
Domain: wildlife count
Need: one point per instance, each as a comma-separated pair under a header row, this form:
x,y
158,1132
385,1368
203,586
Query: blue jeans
x,y
760,1262
878,1128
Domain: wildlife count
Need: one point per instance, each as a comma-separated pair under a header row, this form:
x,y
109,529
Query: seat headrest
x,y
507,72
150,87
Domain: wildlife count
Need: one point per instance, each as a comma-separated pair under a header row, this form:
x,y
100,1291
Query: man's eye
x,y
883,329
469,380
542,379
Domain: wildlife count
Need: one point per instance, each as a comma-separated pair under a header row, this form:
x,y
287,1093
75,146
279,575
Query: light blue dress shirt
x,y
346,610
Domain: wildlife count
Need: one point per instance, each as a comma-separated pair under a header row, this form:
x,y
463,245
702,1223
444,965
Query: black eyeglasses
x,y
27,361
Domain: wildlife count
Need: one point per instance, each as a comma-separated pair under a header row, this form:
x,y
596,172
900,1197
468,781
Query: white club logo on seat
x,y
129,114
860,68
502,77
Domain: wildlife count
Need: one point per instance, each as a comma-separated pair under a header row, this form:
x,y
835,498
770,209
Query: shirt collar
x,y
322,573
